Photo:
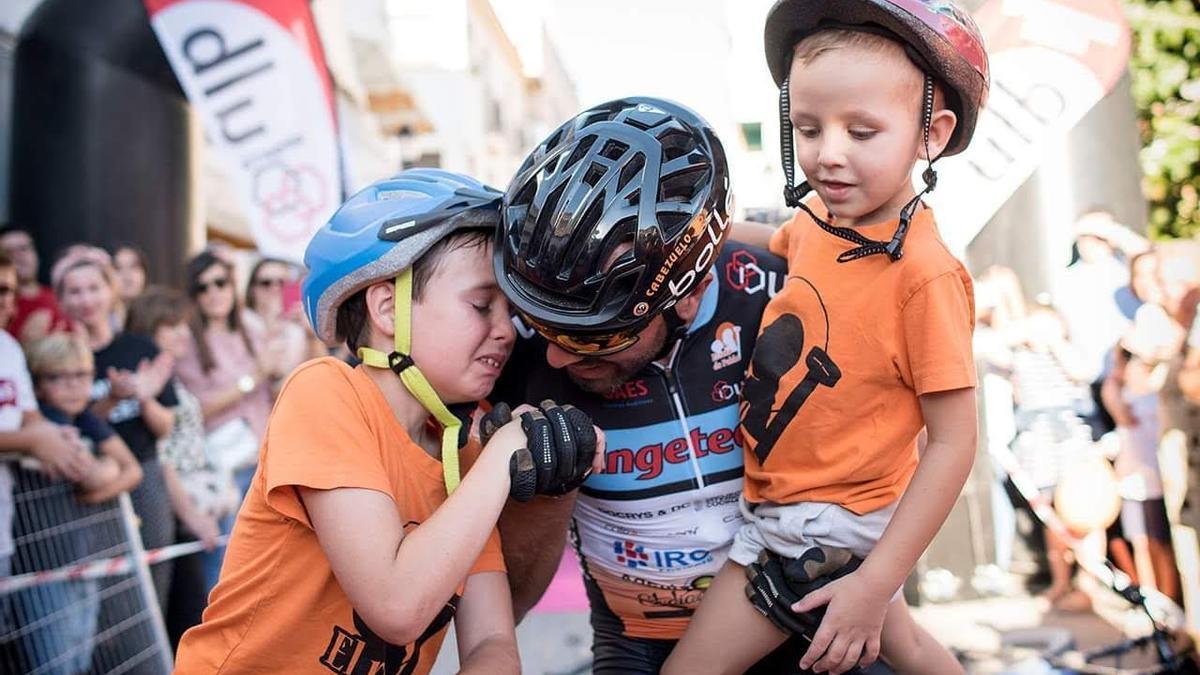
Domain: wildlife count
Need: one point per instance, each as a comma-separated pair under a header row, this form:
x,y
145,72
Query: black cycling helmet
x,y
640,171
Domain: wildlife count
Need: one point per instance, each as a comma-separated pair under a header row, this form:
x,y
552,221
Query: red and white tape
x,y
97,569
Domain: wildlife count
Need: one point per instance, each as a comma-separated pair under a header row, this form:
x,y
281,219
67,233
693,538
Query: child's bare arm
x,y
950,418
129,472
398,582
484,626
857,602
102,471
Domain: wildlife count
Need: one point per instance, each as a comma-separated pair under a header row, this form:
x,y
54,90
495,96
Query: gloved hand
x,y
561,444
776,583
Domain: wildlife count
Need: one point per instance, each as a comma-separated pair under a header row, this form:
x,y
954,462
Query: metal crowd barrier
x,y
79,598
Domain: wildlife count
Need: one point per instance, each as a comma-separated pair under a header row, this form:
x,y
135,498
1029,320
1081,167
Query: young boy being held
x,y
357,543
868,342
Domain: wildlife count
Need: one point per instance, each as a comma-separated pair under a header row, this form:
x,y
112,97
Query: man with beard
x,y
632,307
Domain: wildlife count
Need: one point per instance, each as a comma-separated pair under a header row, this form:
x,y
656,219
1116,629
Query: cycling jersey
x,y
655,527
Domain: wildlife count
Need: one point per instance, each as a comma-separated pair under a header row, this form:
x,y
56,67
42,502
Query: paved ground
x,y
556,638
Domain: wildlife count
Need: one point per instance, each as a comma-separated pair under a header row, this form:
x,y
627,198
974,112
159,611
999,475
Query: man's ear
x,y
381,307
941,128
689,305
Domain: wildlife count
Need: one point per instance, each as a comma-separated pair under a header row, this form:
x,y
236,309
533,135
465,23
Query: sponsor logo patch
x,y
727,346
635,556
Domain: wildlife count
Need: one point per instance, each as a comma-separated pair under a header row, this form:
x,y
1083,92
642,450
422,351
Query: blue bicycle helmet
x,y
377,235
381,231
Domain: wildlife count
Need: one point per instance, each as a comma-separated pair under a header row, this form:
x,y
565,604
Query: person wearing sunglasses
x,y
635,307
228,373
272,296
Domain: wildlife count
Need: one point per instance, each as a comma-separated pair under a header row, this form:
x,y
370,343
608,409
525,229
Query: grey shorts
x,y
791,529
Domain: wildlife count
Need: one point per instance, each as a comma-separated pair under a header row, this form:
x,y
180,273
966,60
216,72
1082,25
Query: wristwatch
x,y
246,384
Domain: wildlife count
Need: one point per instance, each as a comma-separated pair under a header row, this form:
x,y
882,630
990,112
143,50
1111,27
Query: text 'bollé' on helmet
x,y
643,174
946,39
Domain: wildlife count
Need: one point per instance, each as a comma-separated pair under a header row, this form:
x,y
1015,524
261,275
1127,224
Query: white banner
x,y
255,71
1051,62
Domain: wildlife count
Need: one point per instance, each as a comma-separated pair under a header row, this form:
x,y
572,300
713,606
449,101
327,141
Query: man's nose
x,y
558,357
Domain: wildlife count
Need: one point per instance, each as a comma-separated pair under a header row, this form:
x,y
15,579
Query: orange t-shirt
x,y
830,411
278,607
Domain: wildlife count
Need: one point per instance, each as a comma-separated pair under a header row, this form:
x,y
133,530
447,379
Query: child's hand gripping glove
x,y
776,583
561,444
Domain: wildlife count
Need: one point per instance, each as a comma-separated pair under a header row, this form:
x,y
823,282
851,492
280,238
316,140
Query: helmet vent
x,y
613,150
581,149
594,173
544,223
631,170
683,185
563,300
676,143
673,221
636,123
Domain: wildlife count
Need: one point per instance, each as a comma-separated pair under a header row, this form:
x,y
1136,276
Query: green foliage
x,y
1166,89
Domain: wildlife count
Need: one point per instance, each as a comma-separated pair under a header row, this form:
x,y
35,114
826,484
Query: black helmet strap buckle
x,y
793,195
399,362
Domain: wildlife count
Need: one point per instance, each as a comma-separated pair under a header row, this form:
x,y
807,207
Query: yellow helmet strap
x,y
400,362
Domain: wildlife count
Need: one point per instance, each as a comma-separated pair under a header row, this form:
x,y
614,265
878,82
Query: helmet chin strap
x,y
400,362
794,195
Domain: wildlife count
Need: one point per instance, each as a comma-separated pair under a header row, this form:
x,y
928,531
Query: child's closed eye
x,y
862,134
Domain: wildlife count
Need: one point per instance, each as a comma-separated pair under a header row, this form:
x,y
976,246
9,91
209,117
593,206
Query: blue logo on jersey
x,y
635,556
629,554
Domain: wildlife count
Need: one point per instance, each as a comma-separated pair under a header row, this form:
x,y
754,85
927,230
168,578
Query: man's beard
x,y
620,375
638,356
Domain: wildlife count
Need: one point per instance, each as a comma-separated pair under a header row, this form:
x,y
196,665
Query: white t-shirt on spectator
x,y
16,398
1088,300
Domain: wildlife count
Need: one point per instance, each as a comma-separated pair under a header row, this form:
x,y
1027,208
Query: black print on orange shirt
x,y
777,353
362,652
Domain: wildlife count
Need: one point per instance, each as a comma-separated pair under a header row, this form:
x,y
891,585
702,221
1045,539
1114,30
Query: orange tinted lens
x,y
589,345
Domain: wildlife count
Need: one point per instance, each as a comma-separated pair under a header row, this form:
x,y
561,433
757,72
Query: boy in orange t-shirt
x,y
359,541
868,342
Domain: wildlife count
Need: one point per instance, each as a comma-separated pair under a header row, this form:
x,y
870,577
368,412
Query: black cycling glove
x,y
776,583
561,443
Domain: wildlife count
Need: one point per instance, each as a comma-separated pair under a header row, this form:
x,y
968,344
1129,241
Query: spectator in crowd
x,y
273,298
1095,300
129,261
1179,270
201,494
130,390
1131,394
1052,401
224,371
37,312
22,427
62,370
